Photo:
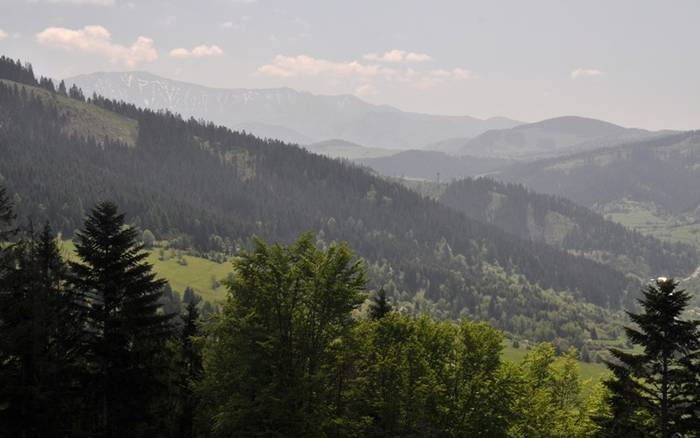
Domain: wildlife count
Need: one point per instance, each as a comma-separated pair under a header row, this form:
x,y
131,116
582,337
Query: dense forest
x,y
561,223
298,350
201,186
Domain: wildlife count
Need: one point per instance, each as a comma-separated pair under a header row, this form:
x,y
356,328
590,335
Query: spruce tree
x,y
127,333
654,393
379,305
191,369
7,217
40,341
62,88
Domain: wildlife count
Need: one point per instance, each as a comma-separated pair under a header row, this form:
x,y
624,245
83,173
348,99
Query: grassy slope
x,y
197,273
648,219
589,372
88,119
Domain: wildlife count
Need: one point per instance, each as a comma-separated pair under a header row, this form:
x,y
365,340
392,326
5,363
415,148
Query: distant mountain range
x,y
551,137
287,114
497,149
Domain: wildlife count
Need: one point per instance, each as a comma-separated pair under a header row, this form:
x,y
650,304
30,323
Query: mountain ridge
x,y
318,117
551,137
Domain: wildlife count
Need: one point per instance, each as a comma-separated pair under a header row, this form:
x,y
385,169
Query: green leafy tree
x,y
418,377
127,333
655,393
270,357
148,239
550,398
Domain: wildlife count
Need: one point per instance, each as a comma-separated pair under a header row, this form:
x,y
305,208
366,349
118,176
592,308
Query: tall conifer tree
x,y
127,333
40,339
655,393
379,305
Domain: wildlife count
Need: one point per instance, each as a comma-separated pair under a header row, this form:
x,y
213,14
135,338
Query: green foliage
x,y
277,338
552,403
148,239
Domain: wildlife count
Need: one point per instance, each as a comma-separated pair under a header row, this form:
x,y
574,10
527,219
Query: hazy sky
x,y
636,63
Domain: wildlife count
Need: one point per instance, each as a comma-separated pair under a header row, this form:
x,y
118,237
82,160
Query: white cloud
x,y
364,75
3,34
196,52
303,65
97,40
585,72
397,55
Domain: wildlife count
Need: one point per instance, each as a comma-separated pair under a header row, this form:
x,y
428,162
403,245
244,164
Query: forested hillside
x,y
649,185
551,137
561,223
205,186
432,165
661,170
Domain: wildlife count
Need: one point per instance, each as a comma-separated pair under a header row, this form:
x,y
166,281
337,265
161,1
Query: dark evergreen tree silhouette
x,y
379,305
7,217
41,339
190,368
126,331
655,392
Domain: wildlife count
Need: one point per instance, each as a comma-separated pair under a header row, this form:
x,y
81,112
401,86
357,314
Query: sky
x,y
634,63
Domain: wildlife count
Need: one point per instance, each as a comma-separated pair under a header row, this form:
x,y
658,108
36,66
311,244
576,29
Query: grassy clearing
x,y
182,271
647,219
590,372
86,119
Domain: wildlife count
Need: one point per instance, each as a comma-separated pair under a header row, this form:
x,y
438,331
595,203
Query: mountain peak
x,y
576,125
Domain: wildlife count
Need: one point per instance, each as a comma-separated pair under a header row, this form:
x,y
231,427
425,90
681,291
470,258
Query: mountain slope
x,y
420,164
312,116
203,186
450,146
663,171
561,223
550,137
336,148
650,185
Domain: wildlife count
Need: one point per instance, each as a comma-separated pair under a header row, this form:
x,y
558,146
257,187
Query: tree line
x,y
300,348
